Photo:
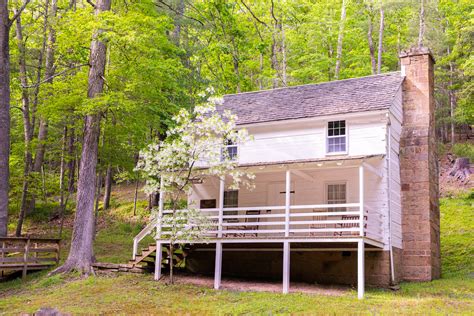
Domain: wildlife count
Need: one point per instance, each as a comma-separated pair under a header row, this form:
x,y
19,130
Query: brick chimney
x,y
419,169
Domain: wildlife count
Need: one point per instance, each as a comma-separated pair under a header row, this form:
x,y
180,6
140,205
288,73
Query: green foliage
x,y
464,150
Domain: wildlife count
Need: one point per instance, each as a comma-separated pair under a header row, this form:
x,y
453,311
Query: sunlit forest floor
x,y
139,294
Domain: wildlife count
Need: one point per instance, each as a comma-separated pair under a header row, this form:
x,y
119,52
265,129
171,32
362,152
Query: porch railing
x,y
304,221
319,220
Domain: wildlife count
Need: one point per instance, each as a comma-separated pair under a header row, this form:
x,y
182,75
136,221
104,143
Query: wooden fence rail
x,y
28,253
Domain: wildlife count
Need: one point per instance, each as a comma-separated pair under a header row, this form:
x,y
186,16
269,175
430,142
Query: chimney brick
x,y
419,169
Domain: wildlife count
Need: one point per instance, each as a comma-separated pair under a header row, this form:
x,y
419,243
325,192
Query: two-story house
x,y
346,184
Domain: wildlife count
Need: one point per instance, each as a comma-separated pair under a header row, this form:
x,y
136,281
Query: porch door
x,y
277,197
276,194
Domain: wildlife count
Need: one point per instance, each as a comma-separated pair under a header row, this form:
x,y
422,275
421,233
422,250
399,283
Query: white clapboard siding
x,y
307,140
396,118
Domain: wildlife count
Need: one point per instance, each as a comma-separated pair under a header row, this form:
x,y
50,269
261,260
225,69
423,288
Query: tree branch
x,y
91,3
176,11
254,16
18,13
53,76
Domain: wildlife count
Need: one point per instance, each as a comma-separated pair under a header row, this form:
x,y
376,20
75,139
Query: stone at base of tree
x,y
461,169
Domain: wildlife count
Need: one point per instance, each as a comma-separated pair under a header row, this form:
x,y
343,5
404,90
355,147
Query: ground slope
x,y
139,294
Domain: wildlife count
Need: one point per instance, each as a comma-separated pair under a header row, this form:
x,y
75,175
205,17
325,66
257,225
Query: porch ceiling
x,y
318,163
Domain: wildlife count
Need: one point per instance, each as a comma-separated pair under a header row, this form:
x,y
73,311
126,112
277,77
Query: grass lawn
x,y
139,294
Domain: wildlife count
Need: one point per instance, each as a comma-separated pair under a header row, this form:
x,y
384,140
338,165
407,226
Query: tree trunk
x,y
4,115
176,35
97,198
27,129
171,263
49,73
283,53
421,31
371,44
81,252
108,188
380,51
62,170
71,165
452,100
40,67
340,39
135,198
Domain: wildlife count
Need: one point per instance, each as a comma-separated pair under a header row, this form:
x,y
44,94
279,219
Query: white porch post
x,y
360,269
218,262
161,203
218,266
221,206
286,267
158,259
361,200
159,254
287,202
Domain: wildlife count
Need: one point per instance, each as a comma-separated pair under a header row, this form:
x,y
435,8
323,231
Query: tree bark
x,y
81,253
71,165
107,188
49,73
371,44
340,39
62,170
27,129
283,60
381,30
135,198
421,30
4,115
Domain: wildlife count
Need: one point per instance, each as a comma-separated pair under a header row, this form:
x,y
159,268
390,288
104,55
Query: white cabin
x,y
328,185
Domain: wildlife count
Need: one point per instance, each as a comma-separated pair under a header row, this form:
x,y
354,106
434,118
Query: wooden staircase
x,y
142,260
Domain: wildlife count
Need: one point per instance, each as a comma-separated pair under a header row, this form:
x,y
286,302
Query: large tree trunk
x,y
381,30
4,115
107,188
81,252
27,128
340,39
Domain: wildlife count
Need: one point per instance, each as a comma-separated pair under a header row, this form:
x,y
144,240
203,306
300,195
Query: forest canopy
x,y
124,68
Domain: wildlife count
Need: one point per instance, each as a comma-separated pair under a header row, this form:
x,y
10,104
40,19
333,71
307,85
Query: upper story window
x,y
230,150
337,137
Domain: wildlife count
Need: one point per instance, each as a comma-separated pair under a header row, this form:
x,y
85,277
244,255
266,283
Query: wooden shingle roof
x,y
336,97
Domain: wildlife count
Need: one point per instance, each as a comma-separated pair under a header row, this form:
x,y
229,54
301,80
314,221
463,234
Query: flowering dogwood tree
x,y
194,149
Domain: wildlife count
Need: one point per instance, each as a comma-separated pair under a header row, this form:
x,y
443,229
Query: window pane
x,y
337,144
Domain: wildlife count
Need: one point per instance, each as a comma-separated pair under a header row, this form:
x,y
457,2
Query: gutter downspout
x,y
389,197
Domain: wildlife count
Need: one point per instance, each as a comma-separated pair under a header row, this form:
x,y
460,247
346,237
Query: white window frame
x,y
326,192
327,137
233,220
226,149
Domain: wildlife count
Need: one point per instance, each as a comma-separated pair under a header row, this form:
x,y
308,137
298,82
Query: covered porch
x,y
329,204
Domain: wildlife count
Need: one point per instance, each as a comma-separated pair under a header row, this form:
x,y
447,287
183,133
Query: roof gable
x,y
336,97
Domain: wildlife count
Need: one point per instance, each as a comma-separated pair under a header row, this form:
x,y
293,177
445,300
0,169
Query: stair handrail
x,y
143,233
